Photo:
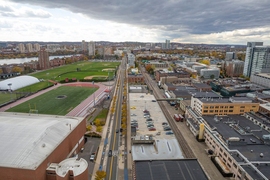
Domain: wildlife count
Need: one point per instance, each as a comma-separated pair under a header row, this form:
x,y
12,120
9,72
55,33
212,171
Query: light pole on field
x,y
10,84
94,95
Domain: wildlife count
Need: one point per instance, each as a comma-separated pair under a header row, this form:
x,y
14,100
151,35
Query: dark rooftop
x,y
198,94
249,133
201,85
169,170
243,100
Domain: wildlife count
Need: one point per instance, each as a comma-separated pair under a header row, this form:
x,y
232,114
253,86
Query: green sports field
x,y
49,103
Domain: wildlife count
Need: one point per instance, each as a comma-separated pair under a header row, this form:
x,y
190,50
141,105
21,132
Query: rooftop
x,y
28,139
250,135
198,94
201,85
226,100
77,166
169,170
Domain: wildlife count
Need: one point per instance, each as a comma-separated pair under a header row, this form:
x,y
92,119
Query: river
x,y
23,60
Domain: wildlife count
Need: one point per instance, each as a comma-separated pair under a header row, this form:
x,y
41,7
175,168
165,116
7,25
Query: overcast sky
x,y
184,21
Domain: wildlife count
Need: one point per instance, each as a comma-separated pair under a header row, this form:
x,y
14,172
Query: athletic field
x,y
56,102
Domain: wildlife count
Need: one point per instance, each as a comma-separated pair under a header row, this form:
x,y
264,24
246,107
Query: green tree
x,y
99,129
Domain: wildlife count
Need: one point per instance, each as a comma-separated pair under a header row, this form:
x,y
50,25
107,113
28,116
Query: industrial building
x,y
31,143
237,144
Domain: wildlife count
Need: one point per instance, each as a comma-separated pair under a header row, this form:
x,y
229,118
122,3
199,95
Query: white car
x,y
133,115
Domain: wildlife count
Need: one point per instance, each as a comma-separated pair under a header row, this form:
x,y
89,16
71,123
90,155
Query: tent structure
x,y
17,82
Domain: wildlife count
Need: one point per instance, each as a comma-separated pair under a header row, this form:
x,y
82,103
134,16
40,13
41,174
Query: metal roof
x,y
26,140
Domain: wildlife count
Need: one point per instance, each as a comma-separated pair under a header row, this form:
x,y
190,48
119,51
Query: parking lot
x,y
147,125
90,147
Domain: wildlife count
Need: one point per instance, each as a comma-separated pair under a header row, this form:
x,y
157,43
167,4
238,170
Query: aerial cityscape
x,y
156,90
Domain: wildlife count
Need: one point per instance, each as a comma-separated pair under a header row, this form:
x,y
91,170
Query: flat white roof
x,y
26,140
165,149
77,166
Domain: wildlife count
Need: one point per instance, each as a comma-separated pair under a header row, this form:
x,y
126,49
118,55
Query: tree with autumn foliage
x,y
100,175
17,69
205,61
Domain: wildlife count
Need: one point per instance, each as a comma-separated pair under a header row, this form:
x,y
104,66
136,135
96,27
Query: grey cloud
x,y
4,8
174,16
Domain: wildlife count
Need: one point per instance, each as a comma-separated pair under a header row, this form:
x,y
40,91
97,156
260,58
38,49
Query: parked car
x,y
154,101
164,123
158,133
150,125
146,111
133,115
152,129
146,116
117,130
169,133
167,129
149,119
146,137
133,121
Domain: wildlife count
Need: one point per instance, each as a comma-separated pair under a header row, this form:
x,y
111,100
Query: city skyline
x,y
222,22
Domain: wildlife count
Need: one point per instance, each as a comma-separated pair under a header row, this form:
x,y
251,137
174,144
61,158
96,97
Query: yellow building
x,y
223,106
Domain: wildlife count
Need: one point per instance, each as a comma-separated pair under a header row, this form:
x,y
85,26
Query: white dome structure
x,y
17,82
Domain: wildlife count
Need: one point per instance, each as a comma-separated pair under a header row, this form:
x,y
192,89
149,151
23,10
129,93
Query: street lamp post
x,y
10,84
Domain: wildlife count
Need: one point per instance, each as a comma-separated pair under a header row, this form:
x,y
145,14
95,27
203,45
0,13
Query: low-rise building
x,y
262,79
223,106
210,73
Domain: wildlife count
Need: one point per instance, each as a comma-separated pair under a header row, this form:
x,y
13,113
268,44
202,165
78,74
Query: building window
x,y
242,106
205,107
230,110
205,111
231,106
216,110
221,106
221,150
217,107
221,111
211,111
225,110
234,165
230,159
226,107
211,107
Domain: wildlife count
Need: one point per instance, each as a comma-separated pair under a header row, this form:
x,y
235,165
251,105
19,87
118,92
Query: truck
x,y
176,117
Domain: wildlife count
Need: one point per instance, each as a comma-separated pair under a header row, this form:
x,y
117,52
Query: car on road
x,y
110,153
169,133
117,131
133,115
92,157
154,101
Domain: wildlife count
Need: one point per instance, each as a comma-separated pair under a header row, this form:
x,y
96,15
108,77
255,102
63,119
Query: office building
x,y
131,59
257,59
53,47
91,48
210,73
43,59
223,106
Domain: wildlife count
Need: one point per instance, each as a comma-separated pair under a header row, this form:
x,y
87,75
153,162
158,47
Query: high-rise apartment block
x,y
234,68
84,46
29,47
257,59
230,56
43,59
36,47
21,48
91,48
167,44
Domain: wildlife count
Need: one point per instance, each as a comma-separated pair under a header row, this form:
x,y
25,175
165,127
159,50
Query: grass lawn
x,y
35,87
86,68
103,114
6,97
49,104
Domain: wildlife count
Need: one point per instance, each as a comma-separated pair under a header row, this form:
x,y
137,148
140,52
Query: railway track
x,y
186,150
